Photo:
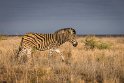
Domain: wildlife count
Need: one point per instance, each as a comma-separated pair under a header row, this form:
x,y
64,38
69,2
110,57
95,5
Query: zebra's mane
x,y
58,31
65,29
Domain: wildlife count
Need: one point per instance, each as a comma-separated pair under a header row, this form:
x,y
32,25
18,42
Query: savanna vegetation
x,y
94,60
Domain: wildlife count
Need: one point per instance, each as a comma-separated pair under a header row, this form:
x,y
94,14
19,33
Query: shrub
x,y
91,43
3,37
103,45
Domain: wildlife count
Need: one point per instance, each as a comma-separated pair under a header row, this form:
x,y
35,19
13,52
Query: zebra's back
x,y
39,41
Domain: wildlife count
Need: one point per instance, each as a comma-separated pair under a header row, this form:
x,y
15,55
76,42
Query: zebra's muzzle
x,y
75,44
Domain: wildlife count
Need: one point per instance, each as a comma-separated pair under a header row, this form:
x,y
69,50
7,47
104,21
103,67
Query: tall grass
x,y
80,65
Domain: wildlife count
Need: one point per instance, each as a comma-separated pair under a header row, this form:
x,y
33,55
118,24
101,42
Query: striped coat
x,y
47,41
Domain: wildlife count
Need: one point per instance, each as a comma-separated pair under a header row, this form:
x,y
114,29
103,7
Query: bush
x,y
91,43
103,45
3,37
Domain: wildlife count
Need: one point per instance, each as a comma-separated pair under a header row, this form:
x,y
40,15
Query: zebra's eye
x,y
74,32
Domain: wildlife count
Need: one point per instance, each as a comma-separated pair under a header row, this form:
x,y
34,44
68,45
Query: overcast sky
x,y
45,16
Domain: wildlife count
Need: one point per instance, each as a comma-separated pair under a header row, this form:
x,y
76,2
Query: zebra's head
x,y
72,37
69,35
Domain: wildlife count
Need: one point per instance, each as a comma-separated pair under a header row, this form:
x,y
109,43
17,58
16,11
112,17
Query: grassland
x,y
81,65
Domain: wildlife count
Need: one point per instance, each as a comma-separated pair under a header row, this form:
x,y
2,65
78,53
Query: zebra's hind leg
x,y
49,56
21,54
29,56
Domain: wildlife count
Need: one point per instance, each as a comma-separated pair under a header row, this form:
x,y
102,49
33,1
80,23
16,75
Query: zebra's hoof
x,y
63,60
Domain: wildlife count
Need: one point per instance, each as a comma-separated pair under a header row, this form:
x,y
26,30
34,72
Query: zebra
x,y
49,42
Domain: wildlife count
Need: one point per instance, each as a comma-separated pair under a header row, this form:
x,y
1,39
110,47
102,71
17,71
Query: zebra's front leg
x,y
58,51
50,52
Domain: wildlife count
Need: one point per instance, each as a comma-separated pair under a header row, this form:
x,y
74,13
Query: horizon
x,y
112,35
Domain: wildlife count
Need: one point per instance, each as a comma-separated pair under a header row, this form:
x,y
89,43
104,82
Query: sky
x,y
47,16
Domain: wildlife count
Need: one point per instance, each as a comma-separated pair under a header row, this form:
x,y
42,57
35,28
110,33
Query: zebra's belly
x,y
50,46
43,48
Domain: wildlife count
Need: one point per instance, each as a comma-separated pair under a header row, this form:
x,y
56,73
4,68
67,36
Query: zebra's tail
x,y
19,49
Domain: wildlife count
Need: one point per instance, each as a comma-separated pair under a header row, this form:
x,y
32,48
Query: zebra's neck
x,y
61,38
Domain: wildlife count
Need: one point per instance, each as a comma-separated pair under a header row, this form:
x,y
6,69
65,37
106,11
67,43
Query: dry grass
x,y
81,65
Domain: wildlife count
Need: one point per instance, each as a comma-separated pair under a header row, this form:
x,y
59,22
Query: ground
x,y
81,65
